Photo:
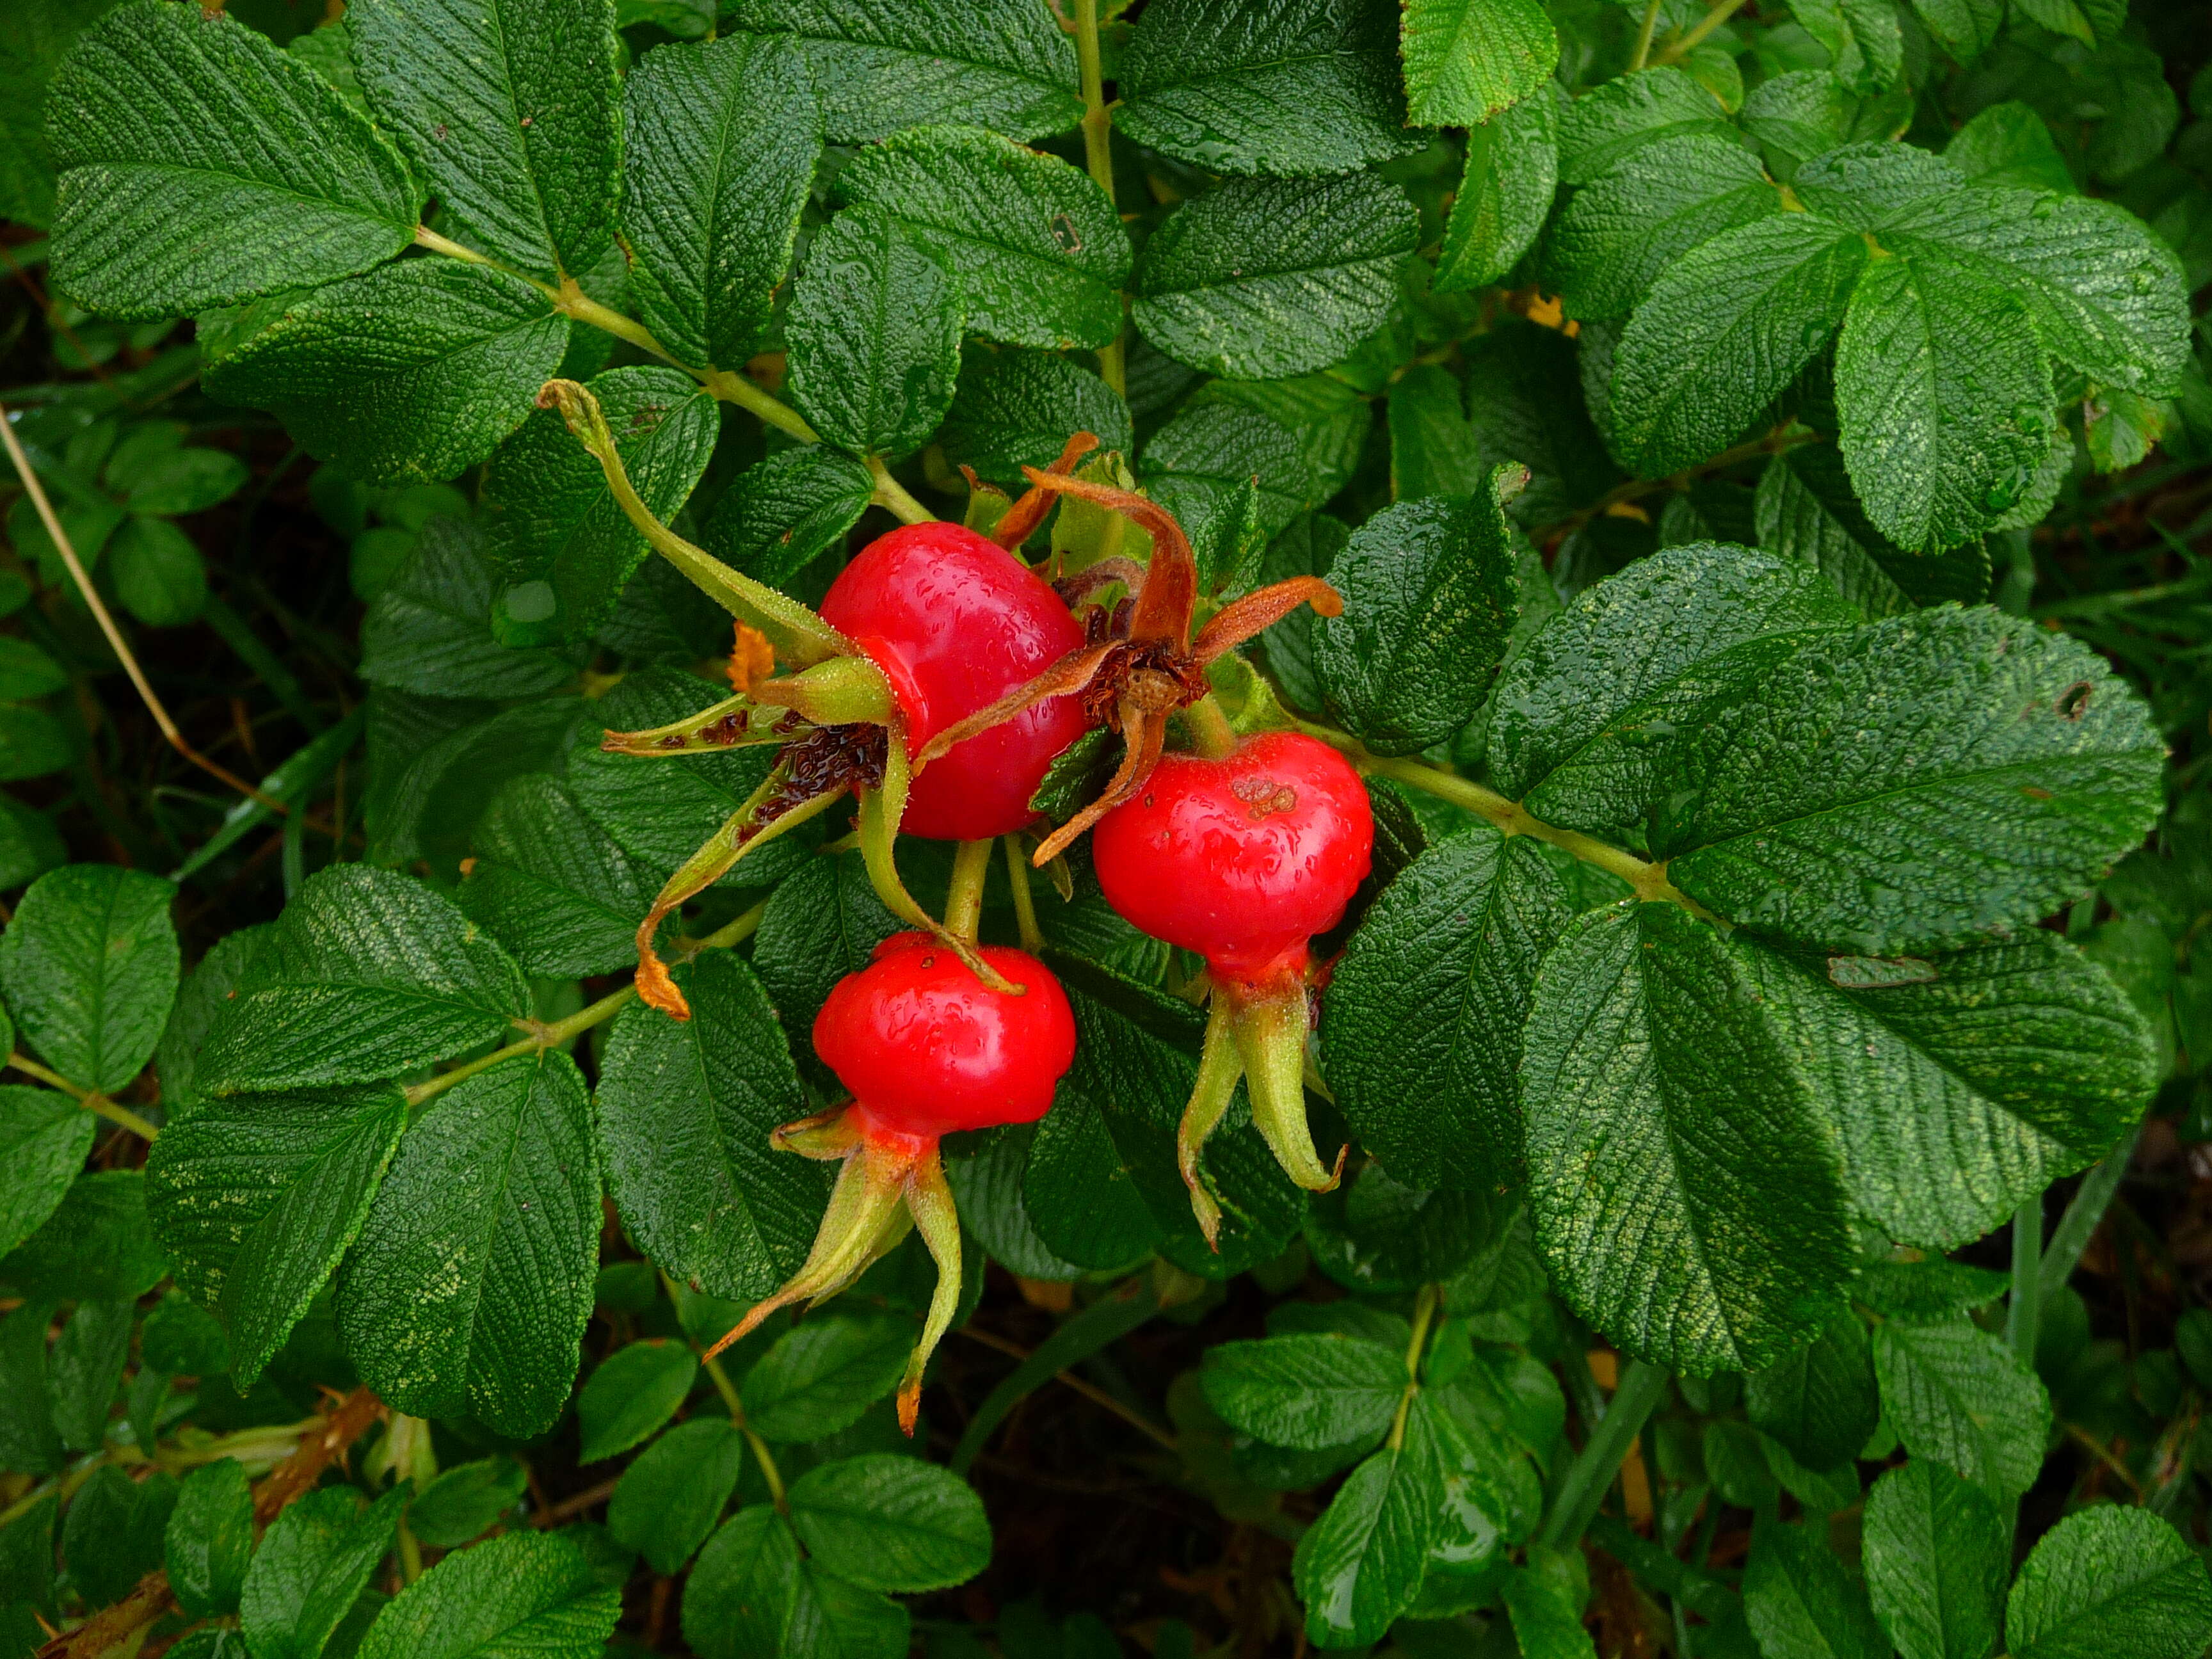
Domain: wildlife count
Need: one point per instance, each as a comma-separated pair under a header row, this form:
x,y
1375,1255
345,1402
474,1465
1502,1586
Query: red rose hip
x,y
926,1048
954,622
1242,858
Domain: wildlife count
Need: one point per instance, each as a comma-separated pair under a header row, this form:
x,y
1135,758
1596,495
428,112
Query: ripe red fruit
x,y
1241,860
954,622
926,1048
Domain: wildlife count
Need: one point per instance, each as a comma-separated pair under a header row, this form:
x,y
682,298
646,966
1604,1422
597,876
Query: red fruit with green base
x,y
1242,858
926,1048
955,621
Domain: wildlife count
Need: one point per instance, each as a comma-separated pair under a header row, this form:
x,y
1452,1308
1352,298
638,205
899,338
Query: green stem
x,y
1642,1388
761,1455
1712,19
1098,155
1643,38
1210,728
734,388
963,899
1647,879
893,495
2024,1311
410,1554
2079,1224
1425,1310
123,1115
545,1036
1025,915
51,1077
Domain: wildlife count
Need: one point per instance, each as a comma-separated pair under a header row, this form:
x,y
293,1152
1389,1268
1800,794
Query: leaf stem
x,y
1099,157
1643,38
734,388
893,495
1574,1506
32,1067
761,1455
963,899
2079,1224
1425,1310
1025,915
2023,1312
1210,727
543,1035
1678,50
1647,879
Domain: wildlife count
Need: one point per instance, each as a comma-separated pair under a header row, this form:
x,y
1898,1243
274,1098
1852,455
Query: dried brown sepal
x,y
1163,610
1261,610
1073,674
1027,511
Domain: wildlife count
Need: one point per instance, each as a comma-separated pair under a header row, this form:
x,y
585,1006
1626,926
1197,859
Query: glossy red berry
x,y
955,621
1241,860
926,1047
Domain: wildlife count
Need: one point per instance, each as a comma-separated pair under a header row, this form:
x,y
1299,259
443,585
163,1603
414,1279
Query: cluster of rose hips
x,y
960,674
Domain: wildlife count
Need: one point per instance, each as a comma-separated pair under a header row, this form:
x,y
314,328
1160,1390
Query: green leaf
x,y
1945,399
464,1503
470,1286
1619,117
739,1600
2008,146
2106,295
879,65
510,111
1037,247
1421,1027
415,371
635,1390
29,1443
668,1500
1306,1392
113,1533
29,844
33,744
891,1523
1467,60
89,965
159,574
720,143
1806,508
873,335
1960,1087
84,1368
1545,1601
431,630
1936,1554
369,973
784,512
1430,595
201,166
44,1137
1928,1291
1735,1460
987,1188
1261,278
1862,37
95,1246
314,1561
1360,1565
1084,1200
1819,1402
1723,331
1973,732
1965,28
256,1198
1308,548
1377,1235
533,1592
1800,1603
1959,1395
822,923
35,37
548,882
1016,409
1585,714
563,546
1689,1201
1300,88
1198,465
685,1112
1797,116
1623,229
209,1538
2110,1580
1505,192
821,1374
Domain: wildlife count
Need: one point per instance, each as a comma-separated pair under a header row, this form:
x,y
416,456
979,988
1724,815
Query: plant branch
x,y
115,641
553,1035
894,496
963,899
2079,1224
1425,1310
1025,915
1098,155
1574,1506
1643,52
1678,50
2024,1309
